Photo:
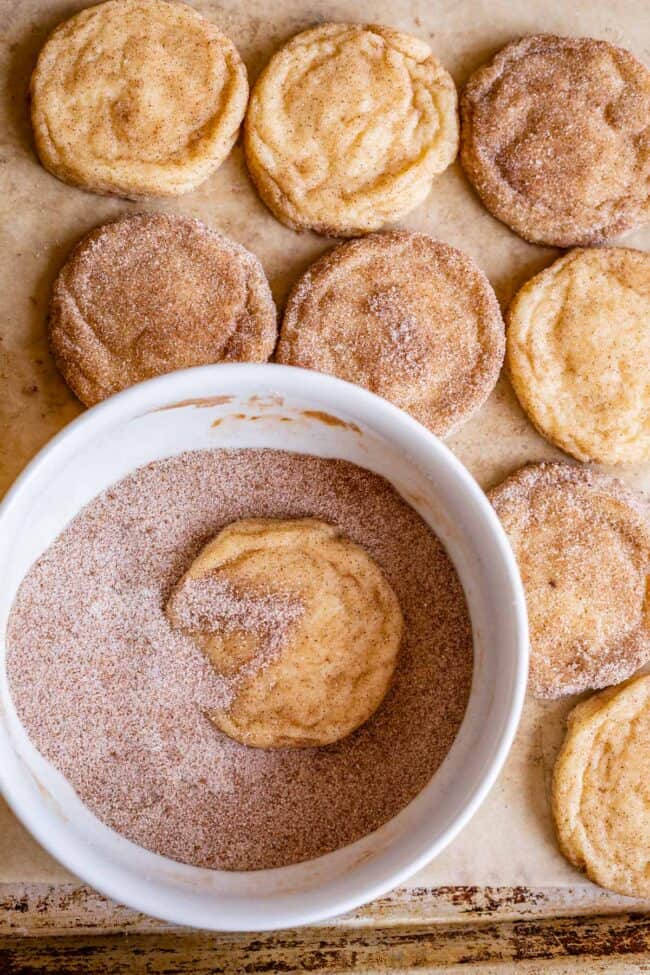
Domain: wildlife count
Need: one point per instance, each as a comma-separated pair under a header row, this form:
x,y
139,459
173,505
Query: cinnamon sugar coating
x,y
582,542
408,317
556,141
151,293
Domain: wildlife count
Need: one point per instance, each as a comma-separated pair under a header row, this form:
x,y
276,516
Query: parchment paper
x,y
510,841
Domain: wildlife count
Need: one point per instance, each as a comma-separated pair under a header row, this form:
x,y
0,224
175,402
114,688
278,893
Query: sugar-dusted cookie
x,y
302,621
347,127
137,97
554,138
578,352
151,293
406,316
601,788
582,543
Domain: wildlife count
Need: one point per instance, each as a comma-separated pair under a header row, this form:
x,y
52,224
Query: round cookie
x,y
137,97
347,126
582,543
301,620
601,788
554,139
578,353
408,317
152,293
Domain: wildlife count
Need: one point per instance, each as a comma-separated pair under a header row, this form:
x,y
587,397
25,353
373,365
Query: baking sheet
x,y
510,840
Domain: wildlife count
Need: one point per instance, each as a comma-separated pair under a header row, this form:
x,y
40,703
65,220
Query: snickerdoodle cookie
x,y
408,317
578,352
152,293
555,139
301,619
137,97
601,788
582,542
347,127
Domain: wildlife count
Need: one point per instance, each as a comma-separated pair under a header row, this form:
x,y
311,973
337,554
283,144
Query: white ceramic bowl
x,y
331,418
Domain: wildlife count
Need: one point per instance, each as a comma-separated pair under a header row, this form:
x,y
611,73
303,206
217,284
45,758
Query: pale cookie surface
x,y
151,293
578,352
555,139
138,98
302,619
601,788
582,543
408,317
347,126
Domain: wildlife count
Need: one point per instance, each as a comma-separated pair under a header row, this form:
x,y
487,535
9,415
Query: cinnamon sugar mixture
x,y
210,604
116,699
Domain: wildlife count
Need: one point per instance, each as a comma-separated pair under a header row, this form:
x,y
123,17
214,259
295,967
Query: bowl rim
x,y
146,397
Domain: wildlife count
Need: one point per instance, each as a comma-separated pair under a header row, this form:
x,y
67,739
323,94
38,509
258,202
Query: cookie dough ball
x,y
408,317
554,139
347,127
302,622
578,348
582,542
137,97
152,293
601,788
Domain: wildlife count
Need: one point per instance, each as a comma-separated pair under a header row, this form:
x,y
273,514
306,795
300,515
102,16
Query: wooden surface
x,y
558,945
41,910
500,898
500,930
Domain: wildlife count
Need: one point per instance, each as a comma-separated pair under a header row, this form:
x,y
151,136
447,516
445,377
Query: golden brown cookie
x,y
137,97
578,352
302,621
152,293
408,317
582,542
347,126
601,788
555,139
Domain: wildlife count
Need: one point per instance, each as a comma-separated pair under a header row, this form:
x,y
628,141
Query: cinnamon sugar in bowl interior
x,y
287,409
